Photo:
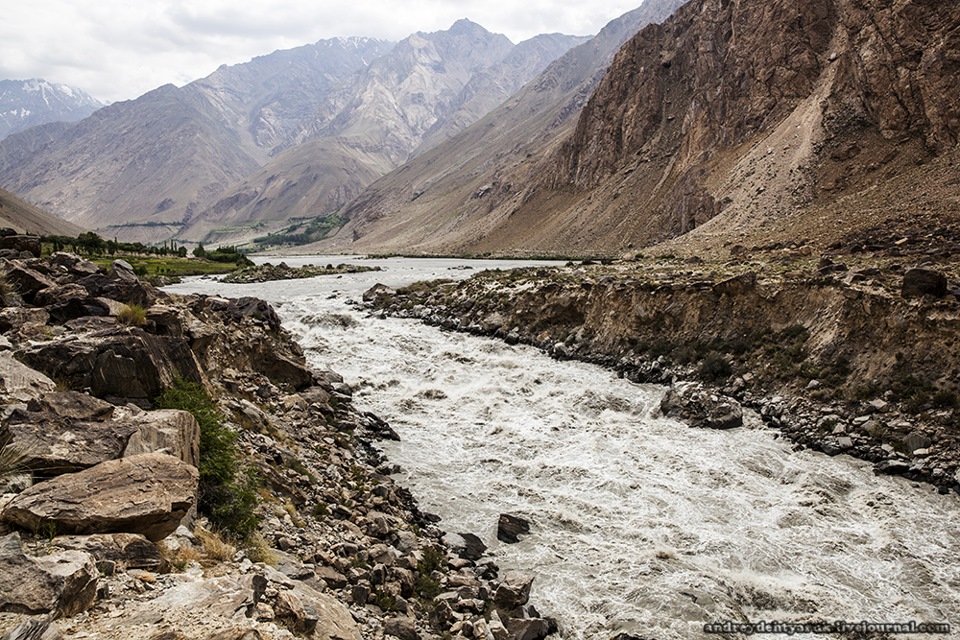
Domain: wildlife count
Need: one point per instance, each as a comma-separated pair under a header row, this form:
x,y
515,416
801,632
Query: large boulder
x,y
71,405
20,382
513,591
121,289
73,264
122,364
699,407
530,628
282,369
67,302
148,494
334,621
300,608
21,243
67,431
23,322
249,307
510,528
165,431
224,596
234,310
35,629
24,280
53,447
376,292
62,584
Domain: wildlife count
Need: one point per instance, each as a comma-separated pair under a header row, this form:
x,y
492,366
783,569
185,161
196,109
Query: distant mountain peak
x,y
464,24
32,102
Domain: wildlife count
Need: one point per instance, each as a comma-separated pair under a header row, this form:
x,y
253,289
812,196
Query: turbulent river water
x,y
640,524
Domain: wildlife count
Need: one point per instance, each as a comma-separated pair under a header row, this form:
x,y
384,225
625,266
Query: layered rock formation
x,y
789,91
442,200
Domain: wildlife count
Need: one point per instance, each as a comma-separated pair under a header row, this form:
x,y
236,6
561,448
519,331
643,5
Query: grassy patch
x,y
132,315
303,231
12,461
715,367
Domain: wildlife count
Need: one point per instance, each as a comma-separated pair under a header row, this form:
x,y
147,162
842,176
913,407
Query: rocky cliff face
x,y
728,120
718,90
30,103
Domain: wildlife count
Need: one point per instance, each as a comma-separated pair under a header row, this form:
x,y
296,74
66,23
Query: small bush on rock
x,y
715,367
227,493
133,315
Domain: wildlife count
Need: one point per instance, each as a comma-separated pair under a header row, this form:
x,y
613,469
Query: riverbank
x,y
834,352
324,543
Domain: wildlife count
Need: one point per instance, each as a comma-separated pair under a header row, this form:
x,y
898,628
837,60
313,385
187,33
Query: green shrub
x,y
944,399
715,367
433,560
227,493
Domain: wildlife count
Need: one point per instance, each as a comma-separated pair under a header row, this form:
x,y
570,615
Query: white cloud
x,y
118,50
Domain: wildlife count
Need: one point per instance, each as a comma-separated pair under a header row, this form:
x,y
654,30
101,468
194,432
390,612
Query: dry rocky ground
x,y
100,536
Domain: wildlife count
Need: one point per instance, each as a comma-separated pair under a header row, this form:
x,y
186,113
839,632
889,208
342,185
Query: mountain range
x,y
698,126
293,134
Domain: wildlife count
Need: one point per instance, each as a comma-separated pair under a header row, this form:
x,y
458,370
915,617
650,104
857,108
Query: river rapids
x,y
639,524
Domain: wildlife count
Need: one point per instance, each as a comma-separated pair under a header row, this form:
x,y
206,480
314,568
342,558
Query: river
x,y
640,524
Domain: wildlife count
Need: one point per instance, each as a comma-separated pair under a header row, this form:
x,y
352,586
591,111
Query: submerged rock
x,y
695,405
510,527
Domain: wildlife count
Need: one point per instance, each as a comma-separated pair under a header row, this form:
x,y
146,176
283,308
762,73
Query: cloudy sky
x,y
120,49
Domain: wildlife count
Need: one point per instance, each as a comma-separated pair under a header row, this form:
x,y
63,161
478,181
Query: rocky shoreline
x,y
99,530
842,359
269,272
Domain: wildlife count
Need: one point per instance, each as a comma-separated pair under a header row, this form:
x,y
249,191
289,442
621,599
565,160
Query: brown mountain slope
x,y
24,217
312,179
146,161
748,114
432,204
